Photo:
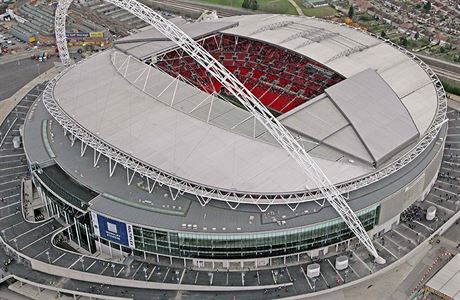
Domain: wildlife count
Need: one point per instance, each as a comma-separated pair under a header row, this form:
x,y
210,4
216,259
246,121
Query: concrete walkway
x,y
297,8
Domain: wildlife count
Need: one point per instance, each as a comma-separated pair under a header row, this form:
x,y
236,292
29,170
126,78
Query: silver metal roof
x,y
185,132
374,111
344,50
150,41
99,98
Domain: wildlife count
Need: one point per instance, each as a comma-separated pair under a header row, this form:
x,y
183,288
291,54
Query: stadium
x,y
143,152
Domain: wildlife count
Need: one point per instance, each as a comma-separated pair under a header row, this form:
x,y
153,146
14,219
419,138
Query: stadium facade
x,y
145,154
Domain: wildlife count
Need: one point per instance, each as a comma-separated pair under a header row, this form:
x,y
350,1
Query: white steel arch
x,y
245,97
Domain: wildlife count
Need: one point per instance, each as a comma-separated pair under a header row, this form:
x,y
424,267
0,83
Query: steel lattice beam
x,y
246,98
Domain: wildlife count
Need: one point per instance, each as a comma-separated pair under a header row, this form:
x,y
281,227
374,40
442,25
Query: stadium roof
x,y
342,49
385,103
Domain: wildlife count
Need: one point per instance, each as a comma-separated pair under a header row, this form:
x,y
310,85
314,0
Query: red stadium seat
x,y
280,79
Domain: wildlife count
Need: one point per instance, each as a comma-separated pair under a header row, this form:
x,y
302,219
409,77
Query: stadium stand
x,y
280,79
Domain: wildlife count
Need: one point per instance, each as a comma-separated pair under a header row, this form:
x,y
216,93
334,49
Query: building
x,y
144,154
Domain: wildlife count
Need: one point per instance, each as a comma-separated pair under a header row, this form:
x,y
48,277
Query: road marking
x,y
10,196
327,284
11,155
166,275
73,264
9,204
59,257
289,274
405,237
150,275
423,225
13,214
196,277
18,174
356,273
182,276
30,230
103,270
394,242
12,226
440,206
119,272
137,270
386,249
11,181
416,232
359,258
52,232
91,265
42,252
11,168
7,190
306,277
274,277
341,278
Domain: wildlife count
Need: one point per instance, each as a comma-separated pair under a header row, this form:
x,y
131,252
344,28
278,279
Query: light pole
x,y
83,264
15,241
145,273
113,269
48,255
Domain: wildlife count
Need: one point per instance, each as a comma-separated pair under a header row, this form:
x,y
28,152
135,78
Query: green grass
x,y
269,6
451,88
278,7
319,12
232,3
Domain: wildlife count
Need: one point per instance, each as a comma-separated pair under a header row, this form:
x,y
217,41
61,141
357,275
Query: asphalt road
x,y
14,75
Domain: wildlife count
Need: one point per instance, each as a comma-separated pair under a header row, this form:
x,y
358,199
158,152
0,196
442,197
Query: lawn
x,y
278,7
319,12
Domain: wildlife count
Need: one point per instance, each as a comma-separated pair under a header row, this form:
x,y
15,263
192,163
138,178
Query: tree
x,y
253,4
250,4
351,12
383,34
427,6
403,41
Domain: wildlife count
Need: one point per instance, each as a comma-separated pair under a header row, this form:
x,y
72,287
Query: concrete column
x,y
110,250
77,231
87,238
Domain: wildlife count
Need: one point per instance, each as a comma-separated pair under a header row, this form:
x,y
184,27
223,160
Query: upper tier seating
x,y
280,79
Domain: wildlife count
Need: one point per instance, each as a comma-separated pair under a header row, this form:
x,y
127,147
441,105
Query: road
x,y
16,74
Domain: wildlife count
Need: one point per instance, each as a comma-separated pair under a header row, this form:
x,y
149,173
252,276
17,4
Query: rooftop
x,y
385,103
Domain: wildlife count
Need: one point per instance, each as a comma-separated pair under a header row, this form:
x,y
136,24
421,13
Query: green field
x,y
319,12
278,7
